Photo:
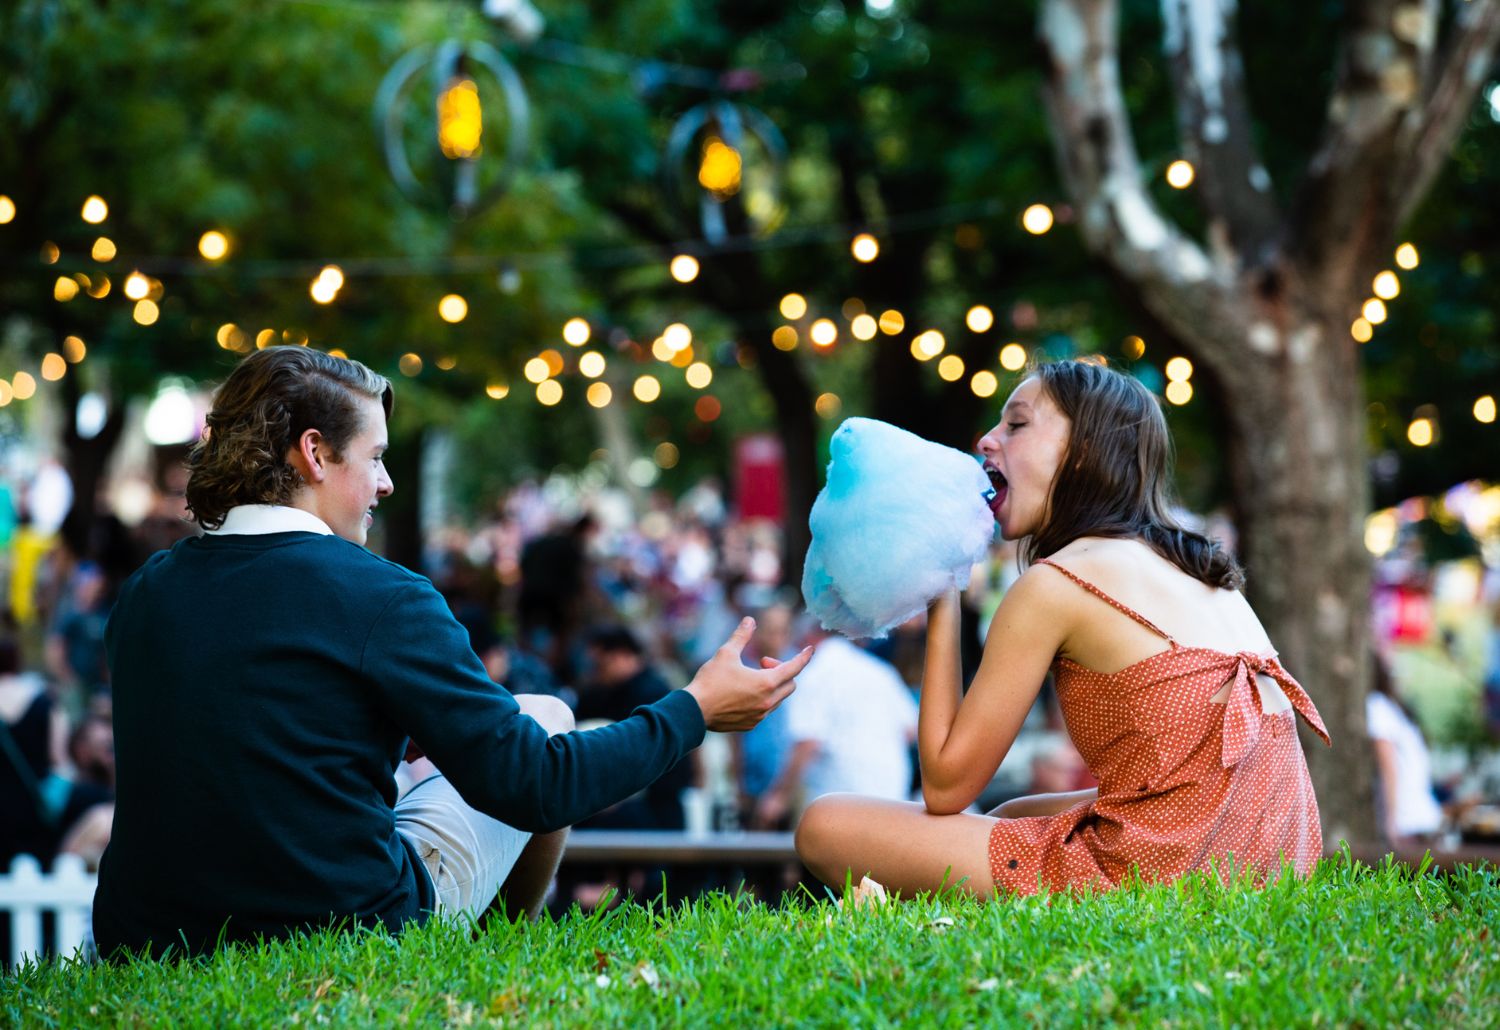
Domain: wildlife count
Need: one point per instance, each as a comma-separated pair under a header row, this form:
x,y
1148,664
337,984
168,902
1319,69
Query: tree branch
x,y
1213,119
1096,151
1345,210
1467,58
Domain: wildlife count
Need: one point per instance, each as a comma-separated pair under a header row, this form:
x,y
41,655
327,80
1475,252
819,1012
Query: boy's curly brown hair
x,y
260,412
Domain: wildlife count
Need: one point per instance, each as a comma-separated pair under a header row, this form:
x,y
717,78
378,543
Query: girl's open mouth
x,y
999,485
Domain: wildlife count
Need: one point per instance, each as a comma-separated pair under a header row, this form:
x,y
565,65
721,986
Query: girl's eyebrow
x,y
1015,406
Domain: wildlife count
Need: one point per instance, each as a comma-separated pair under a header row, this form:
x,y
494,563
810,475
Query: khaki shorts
x,y
467,854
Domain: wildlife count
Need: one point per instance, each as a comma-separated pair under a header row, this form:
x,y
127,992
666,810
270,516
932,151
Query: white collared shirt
x,y
258,519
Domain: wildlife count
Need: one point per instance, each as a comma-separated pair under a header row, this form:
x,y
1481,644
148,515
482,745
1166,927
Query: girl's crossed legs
x,y
897,843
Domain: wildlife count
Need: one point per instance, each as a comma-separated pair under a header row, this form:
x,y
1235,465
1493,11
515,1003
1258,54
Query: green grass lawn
x,y
1347,946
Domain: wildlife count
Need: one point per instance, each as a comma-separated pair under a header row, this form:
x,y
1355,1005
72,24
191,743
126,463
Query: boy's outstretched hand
x,y
736,697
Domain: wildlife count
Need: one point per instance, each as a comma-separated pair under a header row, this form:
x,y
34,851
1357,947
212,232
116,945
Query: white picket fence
x,y
68,890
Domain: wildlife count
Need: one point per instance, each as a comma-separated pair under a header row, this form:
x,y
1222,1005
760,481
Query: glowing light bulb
x,y
699,375
549,392
864,327
599,395
646,389
793,306
865,248
979,319
823,333
536,370
1179,370
591,364
1406,256
576,332
951,368
1180,174
719,169
460,120
453,309
1374,311
1419,432
95,210
684,268
1386,286
213,245
1179,391
1037,219
984,383
103,250
1484,409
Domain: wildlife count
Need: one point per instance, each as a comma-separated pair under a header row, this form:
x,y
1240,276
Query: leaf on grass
x,y
502,1004
868,893
940,924
601,960
323,988
602,980
985,985
646,973
1202,989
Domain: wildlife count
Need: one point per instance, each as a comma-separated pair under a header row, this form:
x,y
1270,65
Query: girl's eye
x,y
1015,425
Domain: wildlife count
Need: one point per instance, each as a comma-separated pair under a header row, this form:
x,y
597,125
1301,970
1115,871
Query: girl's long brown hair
x,y
1115,476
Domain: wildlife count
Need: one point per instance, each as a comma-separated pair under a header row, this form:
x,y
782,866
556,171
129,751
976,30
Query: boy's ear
x,y
309,456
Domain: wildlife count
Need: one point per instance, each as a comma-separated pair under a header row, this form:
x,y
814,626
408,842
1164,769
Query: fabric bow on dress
x,y
1243,711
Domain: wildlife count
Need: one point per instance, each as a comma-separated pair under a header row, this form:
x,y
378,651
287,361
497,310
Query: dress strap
x,y
1137,616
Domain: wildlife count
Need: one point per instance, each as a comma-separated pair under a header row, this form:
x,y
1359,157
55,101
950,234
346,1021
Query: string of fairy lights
x,y
674,346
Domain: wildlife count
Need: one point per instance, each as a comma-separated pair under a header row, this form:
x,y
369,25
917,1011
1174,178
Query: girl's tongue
x,y
999,486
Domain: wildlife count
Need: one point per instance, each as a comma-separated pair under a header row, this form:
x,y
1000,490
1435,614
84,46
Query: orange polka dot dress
x,y
1183,780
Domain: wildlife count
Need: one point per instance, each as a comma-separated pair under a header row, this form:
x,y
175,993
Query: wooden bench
x,y
678,847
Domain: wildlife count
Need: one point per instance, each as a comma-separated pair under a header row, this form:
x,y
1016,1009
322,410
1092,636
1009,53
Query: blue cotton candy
x,y
900,521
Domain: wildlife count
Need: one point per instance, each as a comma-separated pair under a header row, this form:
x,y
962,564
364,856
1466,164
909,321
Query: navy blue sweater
x,y
264,689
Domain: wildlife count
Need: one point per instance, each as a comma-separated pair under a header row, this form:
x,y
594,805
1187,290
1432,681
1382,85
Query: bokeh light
x,y
646,389
1037,219
213,245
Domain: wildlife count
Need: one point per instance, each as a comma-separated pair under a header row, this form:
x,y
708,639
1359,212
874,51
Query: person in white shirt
x,y
1410,813
851,724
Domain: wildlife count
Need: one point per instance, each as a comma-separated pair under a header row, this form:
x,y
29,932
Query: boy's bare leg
x,y
525,889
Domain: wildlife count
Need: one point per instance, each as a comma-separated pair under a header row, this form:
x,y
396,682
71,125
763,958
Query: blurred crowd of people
x,y
604,607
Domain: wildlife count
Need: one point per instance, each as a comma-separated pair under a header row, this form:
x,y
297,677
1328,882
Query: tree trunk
x,y
85,460
1303,493
403,509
